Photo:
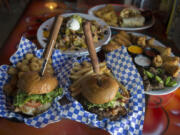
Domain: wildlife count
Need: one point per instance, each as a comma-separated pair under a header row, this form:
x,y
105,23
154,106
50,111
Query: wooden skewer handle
x,y
52,40
91,48
53,37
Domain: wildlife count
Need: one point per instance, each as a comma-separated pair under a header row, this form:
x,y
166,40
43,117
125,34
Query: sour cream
x,y
142,61
73,24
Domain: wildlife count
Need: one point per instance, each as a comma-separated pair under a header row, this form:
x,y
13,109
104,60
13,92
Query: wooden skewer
x,y
91,48
51,42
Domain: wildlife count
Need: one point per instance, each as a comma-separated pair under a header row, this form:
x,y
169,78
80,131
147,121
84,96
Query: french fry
x,y
78,81
77,67
88,73
86,64
75,77
81,71
102,64
125,92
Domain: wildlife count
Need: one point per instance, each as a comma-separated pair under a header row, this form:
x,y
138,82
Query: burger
x,y
100,95
35,93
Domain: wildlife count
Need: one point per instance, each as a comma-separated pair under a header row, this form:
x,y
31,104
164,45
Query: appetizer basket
x,y
124,71
122,68
53,113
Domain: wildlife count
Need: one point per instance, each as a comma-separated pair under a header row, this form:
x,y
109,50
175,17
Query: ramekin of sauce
x,y
142,61
150,52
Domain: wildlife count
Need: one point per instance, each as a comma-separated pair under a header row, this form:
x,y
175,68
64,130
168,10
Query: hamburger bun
x,y
33,83
99,89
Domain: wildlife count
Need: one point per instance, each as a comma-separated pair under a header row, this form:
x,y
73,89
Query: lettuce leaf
x,y
22,97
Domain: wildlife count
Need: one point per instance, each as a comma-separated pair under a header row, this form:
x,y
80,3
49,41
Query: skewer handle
x,y
91,48
53,36
51,42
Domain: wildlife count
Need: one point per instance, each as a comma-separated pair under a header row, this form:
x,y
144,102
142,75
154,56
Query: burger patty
x,y
111,113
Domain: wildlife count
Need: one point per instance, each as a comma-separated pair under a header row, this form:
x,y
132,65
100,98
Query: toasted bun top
x,y
33,83
99,89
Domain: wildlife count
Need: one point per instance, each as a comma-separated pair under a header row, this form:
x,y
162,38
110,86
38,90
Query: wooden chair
x,y
6,3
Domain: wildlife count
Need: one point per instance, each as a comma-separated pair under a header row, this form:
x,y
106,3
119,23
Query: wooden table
x,y
162,112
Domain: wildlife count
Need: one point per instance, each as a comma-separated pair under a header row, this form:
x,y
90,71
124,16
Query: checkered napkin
x,y
53,114
124,70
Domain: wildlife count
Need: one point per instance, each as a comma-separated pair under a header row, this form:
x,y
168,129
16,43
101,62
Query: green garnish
x,y
168,80
159,79
172,83
22,97
149,74
110,104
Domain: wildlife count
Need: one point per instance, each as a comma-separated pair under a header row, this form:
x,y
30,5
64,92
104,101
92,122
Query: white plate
x,y
166,90
48,23
118,8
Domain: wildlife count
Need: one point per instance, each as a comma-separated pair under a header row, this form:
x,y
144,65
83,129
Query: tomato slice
x,y
33,104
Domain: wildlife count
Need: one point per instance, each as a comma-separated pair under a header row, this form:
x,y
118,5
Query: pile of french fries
x,y
81,71
85,68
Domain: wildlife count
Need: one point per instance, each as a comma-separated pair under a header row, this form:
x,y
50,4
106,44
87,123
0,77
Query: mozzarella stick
x,y
170,60
164,51
125,34
122,38
174,70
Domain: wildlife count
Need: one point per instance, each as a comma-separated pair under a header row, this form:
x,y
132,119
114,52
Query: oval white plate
x,y
48,23
118,8
166,90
